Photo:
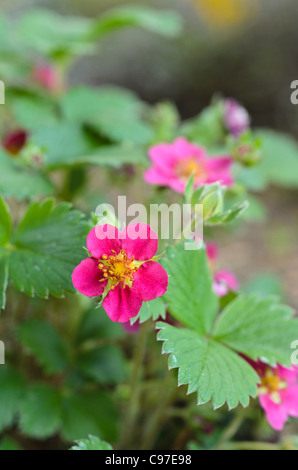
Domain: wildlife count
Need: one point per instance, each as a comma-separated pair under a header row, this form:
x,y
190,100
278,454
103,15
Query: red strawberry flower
x,y
121,269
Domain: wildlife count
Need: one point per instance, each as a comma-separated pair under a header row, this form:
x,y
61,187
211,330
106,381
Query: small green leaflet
x,y
190,296
259,328
154,309
43,250
92,443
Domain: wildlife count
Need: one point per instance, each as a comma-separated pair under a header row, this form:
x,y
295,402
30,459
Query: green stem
x,y
231,430
135,387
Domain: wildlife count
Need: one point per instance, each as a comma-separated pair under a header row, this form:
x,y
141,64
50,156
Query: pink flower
x,y
236,118
278,393
15,141
121,269
224,280
45,75
173,164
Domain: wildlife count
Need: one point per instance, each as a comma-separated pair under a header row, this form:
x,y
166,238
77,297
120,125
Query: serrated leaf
x,y
209,368
92,443
154,309
190,295
259,328
165,22
11,393
47,246
40,411
21,182
45,343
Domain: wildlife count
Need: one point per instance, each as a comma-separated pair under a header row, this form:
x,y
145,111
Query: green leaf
x,y
54,35
265,285
259,328
45,343
5,223
63,144
31,112
92,443
40,413
280,163
154,309
47,246
209,368
105,365
230,215
190,296
89,413
21,182
164,22
206,129
11,393
80,104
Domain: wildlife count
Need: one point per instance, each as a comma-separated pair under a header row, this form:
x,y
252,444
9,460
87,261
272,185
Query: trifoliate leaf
x,y
92,443
209,368
190,296
45,343
259,328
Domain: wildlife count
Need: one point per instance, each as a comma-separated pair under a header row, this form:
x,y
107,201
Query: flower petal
x,y
151,280
276,413
86,278
102,240
290,400
140,241
122,304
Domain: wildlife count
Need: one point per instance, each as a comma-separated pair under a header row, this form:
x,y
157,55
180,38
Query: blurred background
x,y
246,49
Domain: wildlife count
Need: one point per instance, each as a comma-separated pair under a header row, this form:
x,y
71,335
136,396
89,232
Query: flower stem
x,y
135,387
231,430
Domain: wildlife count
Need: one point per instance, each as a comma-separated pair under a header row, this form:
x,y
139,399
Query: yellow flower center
x,y
272,384
185,168
118,269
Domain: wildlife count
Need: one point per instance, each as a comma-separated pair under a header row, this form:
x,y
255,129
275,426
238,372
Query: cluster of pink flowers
x,y
173,164
278,393
121,268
